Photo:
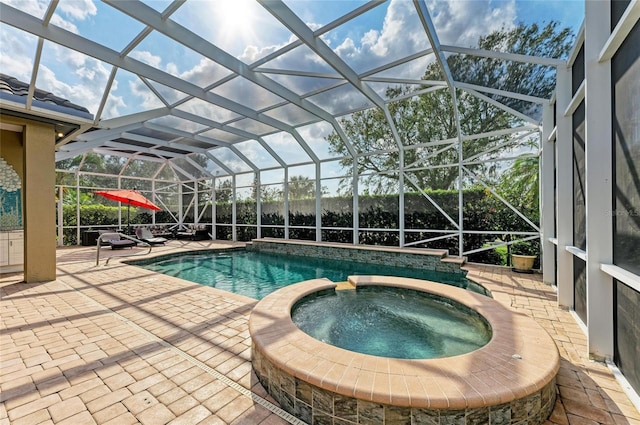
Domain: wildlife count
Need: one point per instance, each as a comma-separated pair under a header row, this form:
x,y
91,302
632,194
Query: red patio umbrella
x,y
129,197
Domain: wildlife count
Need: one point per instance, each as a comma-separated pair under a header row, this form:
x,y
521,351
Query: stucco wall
x,y
11,156
11,150
32,155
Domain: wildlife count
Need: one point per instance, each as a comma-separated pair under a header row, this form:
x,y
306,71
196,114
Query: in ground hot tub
x,y
391,321
508,380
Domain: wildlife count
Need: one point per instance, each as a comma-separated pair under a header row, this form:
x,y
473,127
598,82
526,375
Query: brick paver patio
x,y
121,345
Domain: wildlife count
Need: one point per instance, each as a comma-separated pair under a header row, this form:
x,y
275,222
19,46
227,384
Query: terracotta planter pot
x,y
522,263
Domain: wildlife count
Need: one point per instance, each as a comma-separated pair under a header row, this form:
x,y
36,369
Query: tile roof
x,y
17,91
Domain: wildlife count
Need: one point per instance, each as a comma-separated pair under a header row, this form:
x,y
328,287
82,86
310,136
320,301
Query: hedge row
x,y
481,211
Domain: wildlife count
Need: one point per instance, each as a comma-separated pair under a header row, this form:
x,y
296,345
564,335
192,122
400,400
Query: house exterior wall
x,y
34,160
597,190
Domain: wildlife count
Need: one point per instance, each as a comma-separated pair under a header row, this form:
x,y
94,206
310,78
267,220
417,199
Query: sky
x,y
248,32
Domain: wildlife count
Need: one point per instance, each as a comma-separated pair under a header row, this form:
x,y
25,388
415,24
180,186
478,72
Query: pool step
x,y
341,286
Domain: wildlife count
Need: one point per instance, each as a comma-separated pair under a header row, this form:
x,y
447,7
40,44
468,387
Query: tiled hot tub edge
x,y
319,406
511,380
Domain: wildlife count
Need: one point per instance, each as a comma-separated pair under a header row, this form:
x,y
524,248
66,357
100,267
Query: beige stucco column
x,y
39,202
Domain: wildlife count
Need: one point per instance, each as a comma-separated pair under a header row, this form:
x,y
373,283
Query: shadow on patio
x,y
118,344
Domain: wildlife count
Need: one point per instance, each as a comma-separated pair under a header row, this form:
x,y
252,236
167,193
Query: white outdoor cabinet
x,y
11,251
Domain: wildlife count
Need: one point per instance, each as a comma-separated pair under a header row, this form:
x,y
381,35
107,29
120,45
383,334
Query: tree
x,y
268,193
90,162
301,187
430,117
70,197
224,191
141,168
520,184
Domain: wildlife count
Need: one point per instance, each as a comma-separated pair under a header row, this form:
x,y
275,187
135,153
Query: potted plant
x,y
523,255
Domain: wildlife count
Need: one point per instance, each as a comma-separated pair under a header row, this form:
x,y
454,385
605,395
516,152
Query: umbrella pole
x,y
128,221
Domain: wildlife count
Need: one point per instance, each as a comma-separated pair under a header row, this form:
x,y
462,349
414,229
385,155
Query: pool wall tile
x,y
302,411
303,391
338,421
452,417
369,412
500,415
345,407
425,417
287,383
397,415
477,416
422,259
321,419
322,401
287,401
318,406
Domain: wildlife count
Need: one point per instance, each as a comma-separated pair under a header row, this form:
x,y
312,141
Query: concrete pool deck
x,y
118,344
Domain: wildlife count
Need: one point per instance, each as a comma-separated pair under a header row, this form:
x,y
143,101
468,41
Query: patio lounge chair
x,y
146,236
115,241
198,233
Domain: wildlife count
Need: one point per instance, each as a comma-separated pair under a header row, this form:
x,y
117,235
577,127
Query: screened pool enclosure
x,y
469,126
417,142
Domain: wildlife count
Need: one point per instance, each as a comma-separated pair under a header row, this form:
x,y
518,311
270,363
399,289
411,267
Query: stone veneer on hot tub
x,y
511,380
426,259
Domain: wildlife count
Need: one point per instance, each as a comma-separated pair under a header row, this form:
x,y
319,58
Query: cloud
x,y
16,59
286,147
256,153
461,22
78,9
149,100
204,73
147,57
87,91
401,34
231,160
39,8
85,77
35,8
113,107
252,53
82,79
73,76
16,66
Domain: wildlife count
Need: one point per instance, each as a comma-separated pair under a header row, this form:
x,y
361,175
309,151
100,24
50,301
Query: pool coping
x,y
160,257
519,360
441,253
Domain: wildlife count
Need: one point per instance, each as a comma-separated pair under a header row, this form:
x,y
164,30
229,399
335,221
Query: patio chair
x,y
115,241
198,233
146,236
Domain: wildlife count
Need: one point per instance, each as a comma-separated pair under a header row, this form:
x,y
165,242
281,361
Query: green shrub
x,y
482,211
525,248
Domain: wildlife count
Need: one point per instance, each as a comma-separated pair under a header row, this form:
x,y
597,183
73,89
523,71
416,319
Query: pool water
x,y
391,322
257,274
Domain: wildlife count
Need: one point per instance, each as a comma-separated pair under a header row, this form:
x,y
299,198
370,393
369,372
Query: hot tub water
x,y
391,322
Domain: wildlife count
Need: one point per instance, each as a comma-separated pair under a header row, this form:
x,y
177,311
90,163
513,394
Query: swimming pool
x,y
257,274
